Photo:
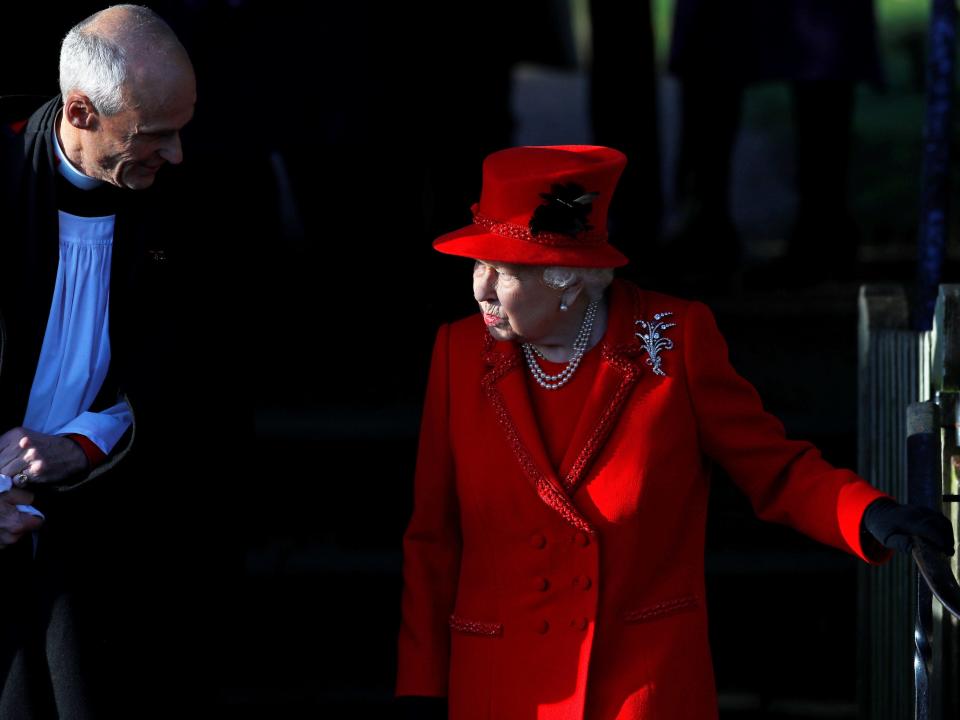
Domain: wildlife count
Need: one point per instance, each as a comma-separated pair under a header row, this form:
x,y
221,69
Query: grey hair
x,y
97,63
595,280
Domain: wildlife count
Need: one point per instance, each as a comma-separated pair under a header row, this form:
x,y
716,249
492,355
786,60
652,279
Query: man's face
x,y
130,147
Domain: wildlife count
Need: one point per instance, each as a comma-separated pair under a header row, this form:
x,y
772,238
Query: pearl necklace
x,y
553,382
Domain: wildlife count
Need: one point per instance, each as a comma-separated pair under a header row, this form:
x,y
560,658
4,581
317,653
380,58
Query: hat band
x,y
522,232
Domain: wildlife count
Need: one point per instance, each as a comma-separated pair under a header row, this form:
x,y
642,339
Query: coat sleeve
x,y
786,481
431,544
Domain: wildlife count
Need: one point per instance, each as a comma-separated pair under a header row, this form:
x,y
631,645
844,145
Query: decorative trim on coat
x,y
603,427
622,356
475,627
667,607
548,492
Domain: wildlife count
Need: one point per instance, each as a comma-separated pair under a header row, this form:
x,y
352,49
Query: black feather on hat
x,y
564,212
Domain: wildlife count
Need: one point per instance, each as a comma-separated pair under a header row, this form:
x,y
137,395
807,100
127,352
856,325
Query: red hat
x,y
543,206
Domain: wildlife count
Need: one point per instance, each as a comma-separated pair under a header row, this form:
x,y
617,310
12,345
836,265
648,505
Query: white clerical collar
x,y
67,168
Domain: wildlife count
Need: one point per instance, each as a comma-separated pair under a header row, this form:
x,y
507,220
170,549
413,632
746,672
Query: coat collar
x,y
621,369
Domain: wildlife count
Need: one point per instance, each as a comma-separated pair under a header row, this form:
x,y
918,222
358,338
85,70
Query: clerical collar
x,y
67,168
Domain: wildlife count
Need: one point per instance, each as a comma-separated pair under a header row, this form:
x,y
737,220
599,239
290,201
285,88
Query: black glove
x,y
415,707
892,524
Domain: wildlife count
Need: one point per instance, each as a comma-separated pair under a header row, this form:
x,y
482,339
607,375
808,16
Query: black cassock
x,y
102,613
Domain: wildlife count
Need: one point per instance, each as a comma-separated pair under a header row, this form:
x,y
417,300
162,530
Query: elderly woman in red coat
x,y
553,565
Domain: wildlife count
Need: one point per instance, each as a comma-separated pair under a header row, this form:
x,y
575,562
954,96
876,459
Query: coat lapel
x,y
506,389
621,368
622,375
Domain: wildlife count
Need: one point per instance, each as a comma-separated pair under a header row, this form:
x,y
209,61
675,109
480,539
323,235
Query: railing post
x,y
923,488
933,458
945,377
899,367
894,363
947,656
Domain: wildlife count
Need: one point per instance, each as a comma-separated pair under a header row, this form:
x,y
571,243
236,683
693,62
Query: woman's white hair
x,y
595,280
97,63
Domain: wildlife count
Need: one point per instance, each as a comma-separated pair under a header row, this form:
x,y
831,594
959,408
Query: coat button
x,y
541,584
581,539
541,627
582,582
580,624
538,541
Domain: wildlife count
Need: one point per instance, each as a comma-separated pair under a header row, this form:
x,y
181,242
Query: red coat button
x,y
541,627
581,539
541,584
580,624
538,541
582,582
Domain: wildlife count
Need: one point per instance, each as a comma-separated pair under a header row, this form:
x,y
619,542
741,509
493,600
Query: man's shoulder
x,y
16,111
25,132
21,126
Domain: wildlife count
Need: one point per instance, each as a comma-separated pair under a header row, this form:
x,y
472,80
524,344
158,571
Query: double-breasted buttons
x,y
582,582
538,541
541,627
540,584
581,538
580,624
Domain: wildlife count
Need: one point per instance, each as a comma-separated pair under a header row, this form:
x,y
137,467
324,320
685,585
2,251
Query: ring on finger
x,y
21,479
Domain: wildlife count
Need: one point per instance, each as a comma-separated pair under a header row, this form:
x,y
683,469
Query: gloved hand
x,y
415,707
892,524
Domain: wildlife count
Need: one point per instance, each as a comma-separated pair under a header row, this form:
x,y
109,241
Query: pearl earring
x,y
563,306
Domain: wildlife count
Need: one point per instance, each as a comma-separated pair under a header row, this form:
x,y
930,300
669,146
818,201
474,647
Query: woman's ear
x,y
570,294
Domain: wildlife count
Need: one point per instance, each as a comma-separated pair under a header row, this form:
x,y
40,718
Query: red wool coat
x,y
534,592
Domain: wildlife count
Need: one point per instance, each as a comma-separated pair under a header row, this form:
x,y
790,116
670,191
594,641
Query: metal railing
x,y
934,685
909,648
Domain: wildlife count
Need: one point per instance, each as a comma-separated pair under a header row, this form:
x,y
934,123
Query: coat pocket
x,y
662,609
474,627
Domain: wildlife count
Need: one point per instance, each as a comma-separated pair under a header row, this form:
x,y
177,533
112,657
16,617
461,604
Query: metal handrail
x,y
935,569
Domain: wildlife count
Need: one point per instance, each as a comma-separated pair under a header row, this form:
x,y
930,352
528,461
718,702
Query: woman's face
x,y
515,302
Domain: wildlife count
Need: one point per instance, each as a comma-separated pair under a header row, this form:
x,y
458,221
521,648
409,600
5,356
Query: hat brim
x,y
475,242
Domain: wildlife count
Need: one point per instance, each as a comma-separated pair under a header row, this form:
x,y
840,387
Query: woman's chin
x,y
502,332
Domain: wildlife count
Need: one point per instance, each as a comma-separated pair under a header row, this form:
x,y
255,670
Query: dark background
x,y
335,142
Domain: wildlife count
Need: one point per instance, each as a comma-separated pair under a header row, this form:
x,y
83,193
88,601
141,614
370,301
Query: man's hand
x,y
13,523
42,458
893,524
